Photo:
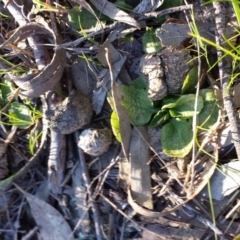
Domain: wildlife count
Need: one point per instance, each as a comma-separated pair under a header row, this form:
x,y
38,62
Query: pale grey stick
x,y
87,181
225,66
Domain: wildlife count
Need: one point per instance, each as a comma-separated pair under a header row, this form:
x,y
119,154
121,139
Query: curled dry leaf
x,y
72,114
95,141
35,84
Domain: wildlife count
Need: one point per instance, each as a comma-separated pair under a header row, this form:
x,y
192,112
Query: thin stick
x,y
165,12
86,179
82,39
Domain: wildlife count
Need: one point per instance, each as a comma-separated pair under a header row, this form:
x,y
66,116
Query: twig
x,y
82,39
86,179
31,233
224,65
165,12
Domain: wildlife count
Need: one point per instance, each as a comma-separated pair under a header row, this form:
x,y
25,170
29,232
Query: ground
x,y
119,120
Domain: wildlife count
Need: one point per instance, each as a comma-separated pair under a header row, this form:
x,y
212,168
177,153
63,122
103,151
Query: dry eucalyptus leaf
x,y
153,72
83,77
117,62
124,120
95,141
225,180
110,10
72,114
140,171
50,222
35,84
80,203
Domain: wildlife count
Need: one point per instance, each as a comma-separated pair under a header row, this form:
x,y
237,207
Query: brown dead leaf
x,y
33,85
110,10
140,171
108,54
100,92
80,195
83,77
50,222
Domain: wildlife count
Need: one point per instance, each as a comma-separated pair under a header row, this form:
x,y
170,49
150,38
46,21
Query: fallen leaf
x,y
50,222
110,10
33,85
225,180
140,171
83,77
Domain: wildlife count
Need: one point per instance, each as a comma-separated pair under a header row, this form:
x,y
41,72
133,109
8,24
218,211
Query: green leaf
x,y
177,138
116,126
184,106
168,100
6,88
160,118
172,3
137,105
209,114
123,6
20,115
190,82
151,43
139,83
81,18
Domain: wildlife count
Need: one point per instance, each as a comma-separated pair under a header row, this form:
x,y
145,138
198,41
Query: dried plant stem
x,y
224,65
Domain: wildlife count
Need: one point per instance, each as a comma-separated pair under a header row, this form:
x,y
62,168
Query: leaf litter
x,y
122,187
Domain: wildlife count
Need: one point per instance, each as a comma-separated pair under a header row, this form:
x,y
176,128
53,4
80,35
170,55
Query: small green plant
x,y
174,114
151,43
33,138
21,115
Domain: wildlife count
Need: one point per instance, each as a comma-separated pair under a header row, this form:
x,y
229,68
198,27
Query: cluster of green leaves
x,y
21,115
174,114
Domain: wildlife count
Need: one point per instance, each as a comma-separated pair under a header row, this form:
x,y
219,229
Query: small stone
x,y
95,141
72,114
